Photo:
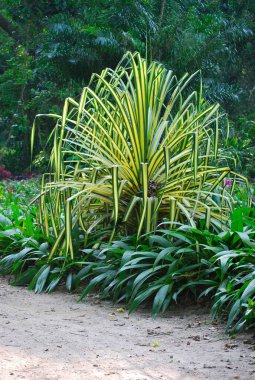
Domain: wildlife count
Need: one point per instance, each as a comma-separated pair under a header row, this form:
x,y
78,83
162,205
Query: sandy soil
x,y
51,337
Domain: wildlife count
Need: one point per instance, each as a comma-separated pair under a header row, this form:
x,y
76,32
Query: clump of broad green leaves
x,y
16,206
166,267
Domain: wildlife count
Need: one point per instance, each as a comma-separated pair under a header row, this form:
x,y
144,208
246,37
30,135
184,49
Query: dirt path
x,y
51,337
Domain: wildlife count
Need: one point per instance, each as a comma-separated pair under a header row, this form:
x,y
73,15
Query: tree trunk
x,y
162,10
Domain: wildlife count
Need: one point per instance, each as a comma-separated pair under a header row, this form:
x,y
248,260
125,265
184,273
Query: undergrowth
x,y
158,270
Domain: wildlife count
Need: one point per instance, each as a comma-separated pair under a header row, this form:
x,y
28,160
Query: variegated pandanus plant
x,y
139,148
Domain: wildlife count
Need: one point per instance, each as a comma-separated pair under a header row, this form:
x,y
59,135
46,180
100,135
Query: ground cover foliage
x,y
134,205
165,266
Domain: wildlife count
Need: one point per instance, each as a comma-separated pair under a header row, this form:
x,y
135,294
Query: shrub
x,y
139,147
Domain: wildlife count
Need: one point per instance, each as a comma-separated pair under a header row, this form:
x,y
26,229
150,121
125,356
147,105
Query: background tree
x,y
48,50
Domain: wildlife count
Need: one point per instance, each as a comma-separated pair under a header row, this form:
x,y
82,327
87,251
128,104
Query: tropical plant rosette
x,y
139,147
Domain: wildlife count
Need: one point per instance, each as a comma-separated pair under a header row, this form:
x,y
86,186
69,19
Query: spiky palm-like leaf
x,y
137,148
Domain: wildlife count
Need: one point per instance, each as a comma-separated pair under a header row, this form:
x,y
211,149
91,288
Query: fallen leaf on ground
x,y
121,310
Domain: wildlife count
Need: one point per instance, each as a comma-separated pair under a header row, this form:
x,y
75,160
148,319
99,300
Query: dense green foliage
x,y
48,51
